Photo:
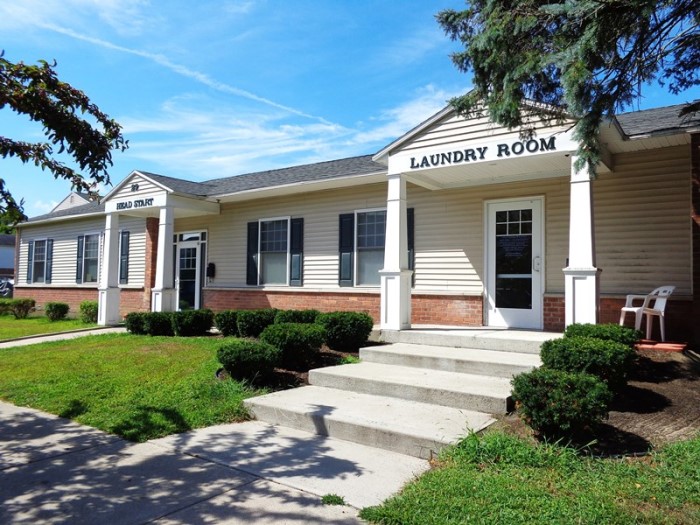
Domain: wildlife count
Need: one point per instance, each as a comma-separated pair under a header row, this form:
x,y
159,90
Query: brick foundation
x,y
694,313
554,314
72,296
130,300
679,315
447,310
426,309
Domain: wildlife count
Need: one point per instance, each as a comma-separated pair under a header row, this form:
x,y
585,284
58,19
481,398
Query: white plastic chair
x,y
653,304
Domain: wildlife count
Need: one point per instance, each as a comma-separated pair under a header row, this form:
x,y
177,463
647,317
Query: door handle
x,y
537,263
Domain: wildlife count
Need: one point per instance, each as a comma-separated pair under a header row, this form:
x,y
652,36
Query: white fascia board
x,y
62,218
302,187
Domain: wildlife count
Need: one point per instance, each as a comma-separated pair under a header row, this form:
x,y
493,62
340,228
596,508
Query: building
x,y
459,222
7,256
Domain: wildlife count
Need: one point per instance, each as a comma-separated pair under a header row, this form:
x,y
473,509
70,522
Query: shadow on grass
x,y
148,422
75,408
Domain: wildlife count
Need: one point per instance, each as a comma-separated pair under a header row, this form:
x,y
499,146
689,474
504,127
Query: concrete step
x,y
466,391
407,427
522,341
462,360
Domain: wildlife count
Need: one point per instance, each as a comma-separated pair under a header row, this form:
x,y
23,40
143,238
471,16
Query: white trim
x,y
487,239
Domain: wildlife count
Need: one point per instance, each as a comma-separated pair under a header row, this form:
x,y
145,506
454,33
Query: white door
x,y
514,263
187,275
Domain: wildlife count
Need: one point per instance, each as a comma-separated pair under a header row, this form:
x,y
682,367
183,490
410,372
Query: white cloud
x,y
394,122
41,206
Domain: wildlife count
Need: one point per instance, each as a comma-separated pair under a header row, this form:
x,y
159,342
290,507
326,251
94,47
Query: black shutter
x,y
346,246
411,246
49,261
296,252
30,261
79,261
252,260
124,258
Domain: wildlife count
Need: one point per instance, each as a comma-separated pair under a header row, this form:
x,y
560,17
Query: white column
x,y
163,294
581,277
108,292
395,276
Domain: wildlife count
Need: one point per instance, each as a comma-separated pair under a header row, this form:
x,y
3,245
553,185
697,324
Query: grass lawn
x,y
11,328
498,478
137,387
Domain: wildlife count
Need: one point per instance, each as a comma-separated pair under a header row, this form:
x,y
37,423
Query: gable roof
x,y
657,121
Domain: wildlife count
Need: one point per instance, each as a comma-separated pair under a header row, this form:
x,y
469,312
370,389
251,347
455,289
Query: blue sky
x,y
217,88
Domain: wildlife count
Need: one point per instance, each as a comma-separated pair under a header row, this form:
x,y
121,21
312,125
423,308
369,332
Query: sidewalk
x,y
61,336
53,470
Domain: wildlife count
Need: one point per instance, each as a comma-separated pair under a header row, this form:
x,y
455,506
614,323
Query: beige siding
x,y
642,222
448,237
65,246
146,188
227,232
458,129
449,233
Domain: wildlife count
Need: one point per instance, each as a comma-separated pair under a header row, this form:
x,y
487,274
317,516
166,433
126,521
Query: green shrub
x,y
56,311
5,305
251,323
346,331
559,404
190,323
608,360
300,343
611,332
20,308
135,322
246,359
88,312
158,323
297,316
227,323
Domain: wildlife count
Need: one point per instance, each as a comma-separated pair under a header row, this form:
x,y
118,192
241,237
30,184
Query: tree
x,y
72,125
587,59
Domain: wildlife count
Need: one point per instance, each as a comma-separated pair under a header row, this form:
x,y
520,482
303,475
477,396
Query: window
x,y
40,254
88,258
123,257
275,250
362,238
371,230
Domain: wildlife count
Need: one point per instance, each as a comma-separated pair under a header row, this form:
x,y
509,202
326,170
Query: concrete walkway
x,y
53,470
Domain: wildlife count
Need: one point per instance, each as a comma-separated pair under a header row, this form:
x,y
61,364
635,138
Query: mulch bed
x,y
660,404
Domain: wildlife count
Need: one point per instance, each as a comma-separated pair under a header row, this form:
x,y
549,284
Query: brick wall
x,y
72,296
426,309
554,314
447,310
130,300
695,224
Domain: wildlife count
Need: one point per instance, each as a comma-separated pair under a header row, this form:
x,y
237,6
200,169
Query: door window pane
x,y
514,259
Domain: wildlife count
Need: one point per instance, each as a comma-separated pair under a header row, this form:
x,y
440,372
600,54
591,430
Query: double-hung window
x,y
88,258
275,250
40,254
274,240
362,237
370,236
